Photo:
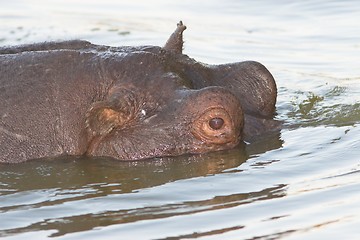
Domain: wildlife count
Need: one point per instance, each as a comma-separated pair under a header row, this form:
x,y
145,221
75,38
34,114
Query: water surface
x,y
302,183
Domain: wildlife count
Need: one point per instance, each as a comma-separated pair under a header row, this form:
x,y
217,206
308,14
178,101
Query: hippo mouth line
x,y
169,150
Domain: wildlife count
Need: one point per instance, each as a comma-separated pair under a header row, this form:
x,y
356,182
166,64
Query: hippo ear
x,y
114,112
101,119
175,41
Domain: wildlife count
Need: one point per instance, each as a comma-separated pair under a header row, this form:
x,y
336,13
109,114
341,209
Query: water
x,y
301,184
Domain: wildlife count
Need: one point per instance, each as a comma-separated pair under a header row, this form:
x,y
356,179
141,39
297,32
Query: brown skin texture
x,y
129,103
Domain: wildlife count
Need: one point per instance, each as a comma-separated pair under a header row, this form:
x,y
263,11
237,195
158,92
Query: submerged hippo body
x,y
76,98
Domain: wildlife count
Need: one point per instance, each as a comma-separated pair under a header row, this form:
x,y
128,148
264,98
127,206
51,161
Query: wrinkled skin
x,y
76,98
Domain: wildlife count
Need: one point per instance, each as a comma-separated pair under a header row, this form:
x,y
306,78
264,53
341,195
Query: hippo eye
x,y
215,126
216,123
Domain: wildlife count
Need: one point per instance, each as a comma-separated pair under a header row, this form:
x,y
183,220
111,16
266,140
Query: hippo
x,y
128,103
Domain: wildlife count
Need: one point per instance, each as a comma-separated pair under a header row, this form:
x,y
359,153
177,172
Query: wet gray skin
x,y
129,103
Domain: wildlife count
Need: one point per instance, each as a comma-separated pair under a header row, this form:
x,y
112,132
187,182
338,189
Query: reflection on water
x,y
107,185
73,172
300,183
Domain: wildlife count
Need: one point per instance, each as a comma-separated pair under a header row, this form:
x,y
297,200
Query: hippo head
x,y
164,103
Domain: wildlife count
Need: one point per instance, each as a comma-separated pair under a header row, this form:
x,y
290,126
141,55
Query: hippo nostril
x,y
216,123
